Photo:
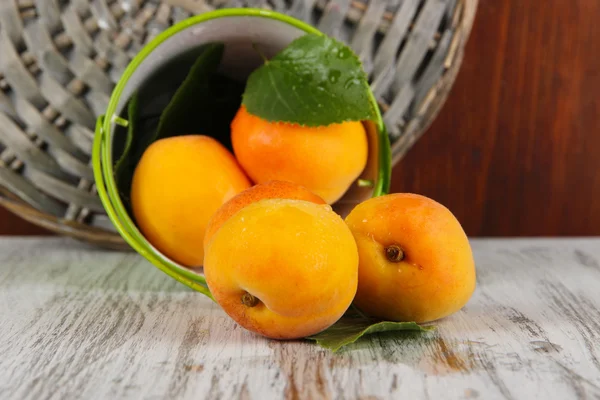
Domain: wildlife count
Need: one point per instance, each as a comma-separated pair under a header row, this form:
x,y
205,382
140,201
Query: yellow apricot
x,y
283,268
326,160
415,263
177,186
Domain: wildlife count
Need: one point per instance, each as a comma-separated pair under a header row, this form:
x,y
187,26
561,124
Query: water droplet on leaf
x,y
343,53
351,82
334,75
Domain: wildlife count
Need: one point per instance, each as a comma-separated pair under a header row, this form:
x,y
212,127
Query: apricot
x,y
269,190
415,263
177,186
283,268
326,160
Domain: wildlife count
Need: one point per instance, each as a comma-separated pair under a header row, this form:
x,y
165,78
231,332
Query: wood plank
x,y
83,323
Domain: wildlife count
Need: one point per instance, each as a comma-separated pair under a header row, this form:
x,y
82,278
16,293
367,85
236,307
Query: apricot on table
x,y
268,190
326,160
415,263
283,268
177,186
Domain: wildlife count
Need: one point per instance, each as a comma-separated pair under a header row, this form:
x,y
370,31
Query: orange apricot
x,y
326,160
415,263
177,186
283,268
269,190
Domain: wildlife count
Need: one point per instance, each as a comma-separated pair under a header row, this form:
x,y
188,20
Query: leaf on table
x,y
315,81
352,327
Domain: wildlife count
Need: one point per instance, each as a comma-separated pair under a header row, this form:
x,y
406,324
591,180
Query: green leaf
x,y
122,168
314,81
352,327
191,95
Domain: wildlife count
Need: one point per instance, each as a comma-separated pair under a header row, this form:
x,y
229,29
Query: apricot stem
x,y
248,300
394,253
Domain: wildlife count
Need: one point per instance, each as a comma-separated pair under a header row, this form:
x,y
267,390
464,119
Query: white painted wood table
x,y
80,323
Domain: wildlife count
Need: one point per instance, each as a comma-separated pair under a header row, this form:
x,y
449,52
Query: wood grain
x,y
82,323
513,152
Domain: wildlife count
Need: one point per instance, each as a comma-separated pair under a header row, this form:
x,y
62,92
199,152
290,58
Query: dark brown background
x,y
515,151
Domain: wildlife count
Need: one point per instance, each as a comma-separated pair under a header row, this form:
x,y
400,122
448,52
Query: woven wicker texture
x,y
60,59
